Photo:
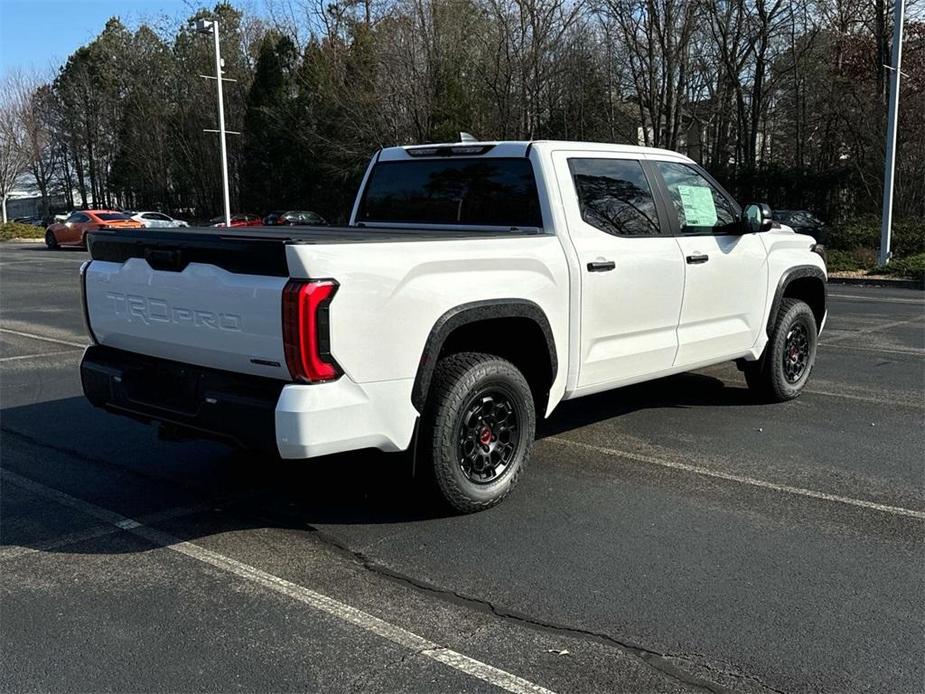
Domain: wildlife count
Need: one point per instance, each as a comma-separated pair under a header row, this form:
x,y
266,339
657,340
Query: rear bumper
x,y
201,402
300,421
341,415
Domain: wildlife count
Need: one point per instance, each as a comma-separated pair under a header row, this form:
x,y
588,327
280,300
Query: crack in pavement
x,y
655,659
727,669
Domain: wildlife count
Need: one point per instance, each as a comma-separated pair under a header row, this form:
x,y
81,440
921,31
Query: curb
x,y
878,282
24,241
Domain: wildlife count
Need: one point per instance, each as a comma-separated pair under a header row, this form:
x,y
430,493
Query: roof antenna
x,y
466,137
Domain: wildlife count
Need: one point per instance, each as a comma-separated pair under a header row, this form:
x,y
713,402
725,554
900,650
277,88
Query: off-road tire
x,y
458,381
767,377
51,241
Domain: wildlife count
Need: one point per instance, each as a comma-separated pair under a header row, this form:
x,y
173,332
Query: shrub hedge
x,y
12,230
912,266
908,237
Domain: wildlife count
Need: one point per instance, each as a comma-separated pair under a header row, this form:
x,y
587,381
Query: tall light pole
x,y
210,26
892,116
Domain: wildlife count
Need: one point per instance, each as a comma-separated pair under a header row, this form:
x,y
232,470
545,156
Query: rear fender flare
x,y
471,313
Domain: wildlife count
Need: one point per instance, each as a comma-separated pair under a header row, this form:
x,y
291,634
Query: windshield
x,y
465,191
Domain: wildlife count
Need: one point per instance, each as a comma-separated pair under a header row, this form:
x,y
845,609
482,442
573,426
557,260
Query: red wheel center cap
x,y
794,353
485,436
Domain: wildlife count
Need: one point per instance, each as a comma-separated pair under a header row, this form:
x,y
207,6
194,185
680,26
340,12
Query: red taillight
x,y
306,330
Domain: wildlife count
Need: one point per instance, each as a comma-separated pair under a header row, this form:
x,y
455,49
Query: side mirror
x,y
757,217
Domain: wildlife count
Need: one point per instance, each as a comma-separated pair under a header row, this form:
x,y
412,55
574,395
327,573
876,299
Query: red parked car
x,y
238,220
73,230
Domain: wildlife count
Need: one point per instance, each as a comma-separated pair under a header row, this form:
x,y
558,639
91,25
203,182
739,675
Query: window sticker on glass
x,y
699,208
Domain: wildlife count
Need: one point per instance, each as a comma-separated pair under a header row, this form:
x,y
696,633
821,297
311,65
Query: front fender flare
x,y
795,273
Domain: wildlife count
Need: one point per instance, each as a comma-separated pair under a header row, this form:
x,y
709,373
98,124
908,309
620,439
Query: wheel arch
x,y
514,329
806,283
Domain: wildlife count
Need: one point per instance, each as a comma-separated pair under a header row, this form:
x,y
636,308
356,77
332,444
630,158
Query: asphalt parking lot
x,y
672,536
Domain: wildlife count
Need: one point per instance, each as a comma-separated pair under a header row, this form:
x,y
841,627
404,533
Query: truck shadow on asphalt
x,y
680,391
122,466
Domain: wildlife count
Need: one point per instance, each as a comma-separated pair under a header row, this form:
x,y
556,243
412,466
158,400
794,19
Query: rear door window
x,y
465,191
614,196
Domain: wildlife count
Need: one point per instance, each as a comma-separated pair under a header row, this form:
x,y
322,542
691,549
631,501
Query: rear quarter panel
x,y
392,293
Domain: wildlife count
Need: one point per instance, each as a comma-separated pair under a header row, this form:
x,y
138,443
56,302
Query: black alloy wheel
x,y
796,353
489,435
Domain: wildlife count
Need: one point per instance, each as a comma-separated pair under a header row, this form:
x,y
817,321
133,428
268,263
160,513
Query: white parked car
x,y
158,219
476,287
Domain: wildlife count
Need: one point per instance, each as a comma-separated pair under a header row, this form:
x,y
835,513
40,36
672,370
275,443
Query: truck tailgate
x,y
202,314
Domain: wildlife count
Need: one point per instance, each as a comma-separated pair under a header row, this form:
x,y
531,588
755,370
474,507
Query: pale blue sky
x,y
41,34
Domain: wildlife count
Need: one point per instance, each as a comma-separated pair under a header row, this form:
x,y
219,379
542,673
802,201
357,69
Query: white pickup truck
x,y
476,285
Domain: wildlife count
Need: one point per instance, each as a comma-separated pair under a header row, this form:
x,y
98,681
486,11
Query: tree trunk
x,y
81,181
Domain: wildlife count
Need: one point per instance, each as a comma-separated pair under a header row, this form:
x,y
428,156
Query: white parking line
x,y
891,400
335,608
42,337
721,373
915,351
14,551
877,300
21,357
741,479
40,261
866,331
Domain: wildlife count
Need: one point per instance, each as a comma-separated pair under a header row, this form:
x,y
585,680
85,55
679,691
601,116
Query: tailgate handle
x,y
160,259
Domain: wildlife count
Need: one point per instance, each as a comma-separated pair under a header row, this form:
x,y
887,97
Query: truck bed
x,y
259,250
213,297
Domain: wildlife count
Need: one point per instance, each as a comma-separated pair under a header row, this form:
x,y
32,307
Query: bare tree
x,y
657,35
777,97
13,161
34,101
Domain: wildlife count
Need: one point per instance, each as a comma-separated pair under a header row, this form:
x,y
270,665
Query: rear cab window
x,y
459,191
614,196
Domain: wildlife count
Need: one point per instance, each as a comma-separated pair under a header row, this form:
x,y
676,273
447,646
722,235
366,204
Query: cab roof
x,y
515,148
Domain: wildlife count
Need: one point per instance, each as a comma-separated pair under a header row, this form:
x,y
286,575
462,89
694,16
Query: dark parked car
x,y
294,218
803,222
34,221
270,218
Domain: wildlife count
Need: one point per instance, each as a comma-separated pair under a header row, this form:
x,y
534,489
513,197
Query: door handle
x,y
601,266
697,259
